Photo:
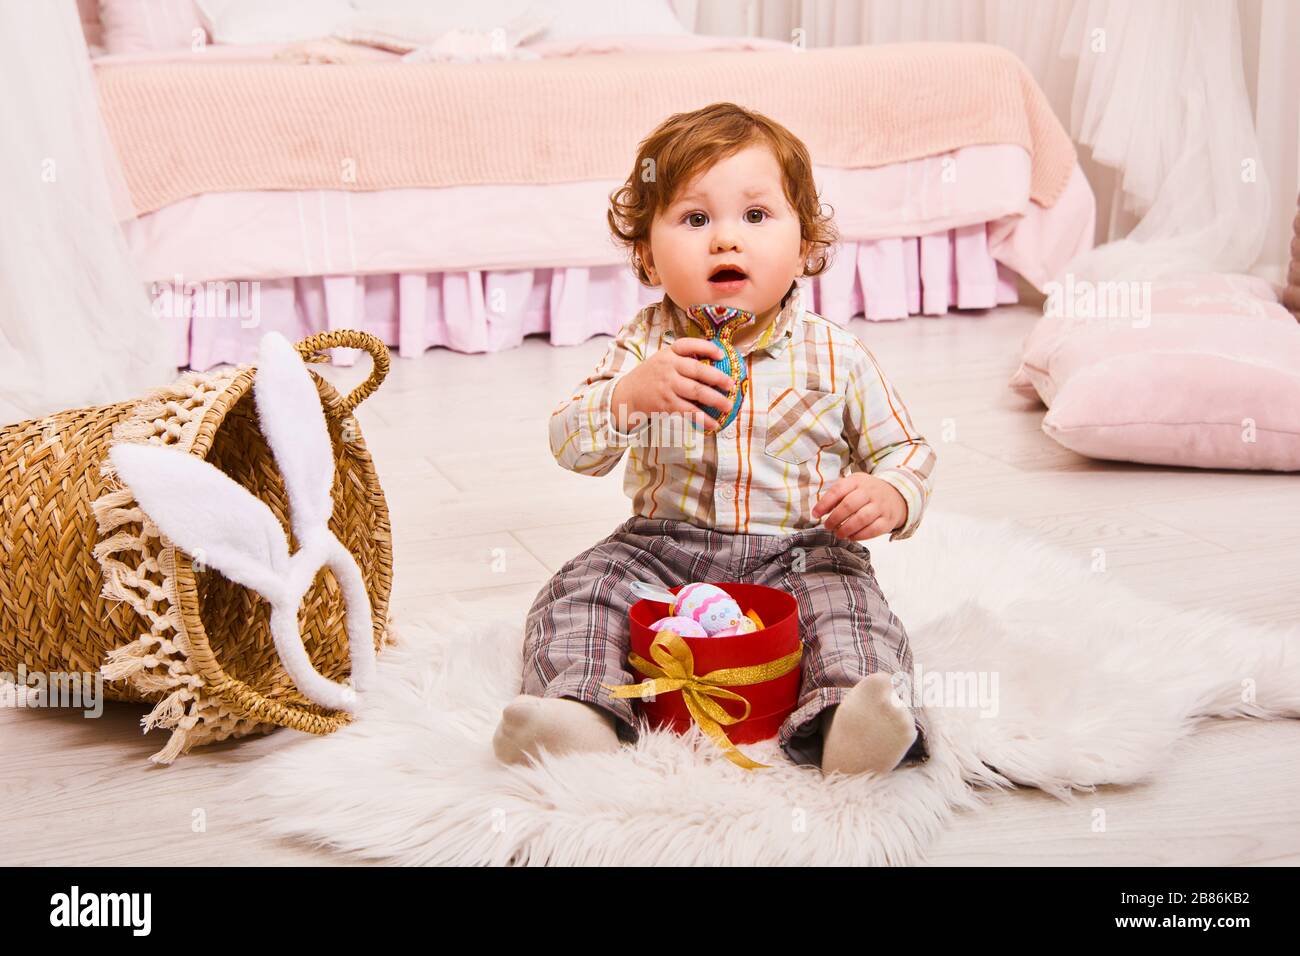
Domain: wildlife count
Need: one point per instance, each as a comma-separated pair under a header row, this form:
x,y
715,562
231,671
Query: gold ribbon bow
x,y
674,669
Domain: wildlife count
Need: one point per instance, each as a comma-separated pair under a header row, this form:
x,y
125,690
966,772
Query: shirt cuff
x,y
612,437
907,486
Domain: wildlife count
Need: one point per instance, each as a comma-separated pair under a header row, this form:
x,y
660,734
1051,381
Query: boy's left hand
x,y
860,506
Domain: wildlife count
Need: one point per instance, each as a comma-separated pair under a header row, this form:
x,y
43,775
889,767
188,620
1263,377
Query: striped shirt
x,y
816,406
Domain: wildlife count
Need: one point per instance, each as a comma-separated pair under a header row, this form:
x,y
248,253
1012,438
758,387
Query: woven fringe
x,y
123,662
206,726
177,744
151,683
132,432
168,711
111,506
114,518
131,545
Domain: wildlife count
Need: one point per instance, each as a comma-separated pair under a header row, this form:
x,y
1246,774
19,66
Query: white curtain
x,y
76,327
1186,112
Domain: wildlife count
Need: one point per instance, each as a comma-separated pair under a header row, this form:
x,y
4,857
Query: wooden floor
x,y
483,516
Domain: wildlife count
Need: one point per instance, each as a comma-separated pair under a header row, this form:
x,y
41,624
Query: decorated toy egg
x,y
681,626
708,605
719,323
746,626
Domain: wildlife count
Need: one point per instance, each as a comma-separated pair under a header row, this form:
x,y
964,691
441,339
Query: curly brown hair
x,y
686,144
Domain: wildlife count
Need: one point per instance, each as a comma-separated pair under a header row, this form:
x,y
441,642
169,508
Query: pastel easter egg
x,y
746,626
708,605
681,626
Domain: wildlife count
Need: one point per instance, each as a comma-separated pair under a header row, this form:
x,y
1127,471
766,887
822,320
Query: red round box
x,y
770,702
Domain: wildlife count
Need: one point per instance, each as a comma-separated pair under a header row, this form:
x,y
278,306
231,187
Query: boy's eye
x,y
699,218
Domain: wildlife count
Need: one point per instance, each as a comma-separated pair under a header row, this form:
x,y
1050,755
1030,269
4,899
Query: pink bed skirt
x,y
485,311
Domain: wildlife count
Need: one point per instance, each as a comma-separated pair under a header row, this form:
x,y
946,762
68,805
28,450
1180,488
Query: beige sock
x,y
869,732
559,724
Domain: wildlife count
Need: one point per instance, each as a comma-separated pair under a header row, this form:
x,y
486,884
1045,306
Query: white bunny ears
x,y
218,521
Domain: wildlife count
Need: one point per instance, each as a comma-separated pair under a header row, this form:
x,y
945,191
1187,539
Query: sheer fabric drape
x,y
1186,111
76,326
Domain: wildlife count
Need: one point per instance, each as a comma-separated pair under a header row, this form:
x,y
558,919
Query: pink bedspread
x,y
915,241
270,234
187,128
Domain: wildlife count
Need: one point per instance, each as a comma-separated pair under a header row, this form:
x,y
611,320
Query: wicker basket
x,y
89,584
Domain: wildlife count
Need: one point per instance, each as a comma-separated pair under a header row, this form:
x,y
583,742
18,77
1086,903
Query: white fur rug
x,y
1093,686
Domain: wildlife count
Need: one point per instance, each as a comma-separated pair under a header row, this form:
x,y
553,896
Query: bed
x,y
463,204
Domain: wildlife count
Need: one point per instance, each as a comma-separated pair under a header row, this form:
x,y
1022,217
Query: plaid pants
x,y
577,634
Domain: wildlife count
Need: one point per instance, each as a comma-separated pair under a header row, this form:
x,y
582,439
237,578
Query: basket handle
x,y
311,349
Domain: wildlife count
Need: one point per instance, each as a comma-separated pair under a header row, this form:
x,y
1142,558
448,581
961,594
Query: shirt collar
x,y
773,339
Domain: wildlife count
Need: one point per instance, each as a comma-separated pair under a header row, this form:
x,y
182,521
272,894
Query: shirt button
x,y
726,492
729,432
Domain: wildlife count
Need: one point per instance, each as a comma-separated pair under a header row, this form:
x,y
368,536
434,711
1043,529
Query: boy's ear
x,y
647,262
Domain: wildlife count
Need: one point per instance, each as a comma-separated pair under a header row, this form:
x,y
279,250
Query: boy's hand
x,y
860,506
671,380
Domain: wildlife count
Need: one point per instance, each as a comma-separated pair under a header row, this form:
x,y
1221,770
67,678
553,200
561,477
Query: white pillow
x,y
587,18
404,25
147,26
482,15
285,21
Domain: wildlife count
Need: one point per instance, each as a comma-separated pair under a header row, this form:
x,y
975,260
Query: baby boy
x,y
721,209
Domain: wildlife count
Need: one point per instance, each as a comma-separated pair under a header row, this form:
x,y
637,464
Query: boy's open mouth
x,y
727,273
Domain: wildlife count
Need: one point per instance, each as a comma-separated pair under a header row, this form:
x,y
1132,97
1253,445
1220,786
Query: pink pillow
x,y
144,26
1199,371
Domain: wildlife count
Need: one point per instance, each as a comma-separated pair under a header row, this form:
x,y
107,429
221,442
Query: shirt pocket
x,y
801,422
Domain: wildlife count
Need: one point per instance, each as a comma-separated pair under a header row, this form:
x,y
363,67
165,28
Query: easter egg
x,y
746,626
719,323
709,606
738,373
681,626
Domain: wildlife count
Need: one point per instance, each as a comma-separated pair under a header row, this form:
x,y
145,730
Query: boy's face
x,y
734,213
